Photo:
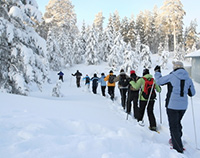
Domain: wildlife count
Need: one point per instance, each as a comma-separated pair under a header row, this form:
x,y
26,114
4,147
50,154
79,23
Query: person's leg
x,y
152,120
141,110
135,96
174,118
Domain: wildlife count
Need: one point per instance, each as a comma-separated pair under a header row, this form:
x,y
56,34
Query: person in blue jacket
x,y
103,84
179,86
87,81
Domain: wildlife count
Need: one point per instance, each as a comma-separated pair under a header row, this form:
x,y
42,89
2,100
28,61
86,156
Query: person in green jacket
x,y
140,84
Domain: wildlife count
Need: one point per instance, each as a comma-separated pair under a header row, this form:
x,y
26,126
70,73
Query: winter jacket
x,y
94,81
101,81
87,80
179,86
107,79
117,79
77,74
140,84
131,87
60,73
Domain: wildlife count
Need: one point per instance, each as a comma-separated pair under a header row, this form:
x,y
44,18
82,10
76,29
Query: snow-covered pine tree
x,y
107,44
98,23
56,90
124,29
172,18
61,19
145,54
92,48
131,61
132,32
117,51
22,51
190,36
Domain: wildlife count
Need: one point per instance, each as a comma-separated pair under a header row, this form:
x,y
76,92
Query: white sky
x,y
87,9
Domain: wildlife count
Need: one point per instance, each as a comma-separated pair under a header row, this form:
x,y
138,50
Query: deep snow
x,y
85,125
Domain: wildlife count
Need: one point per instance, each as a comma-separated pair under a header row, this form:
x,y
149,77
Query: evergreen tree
x,y
61,19
92,48
132,32
22,51
130,59
117,51
172,18
190,36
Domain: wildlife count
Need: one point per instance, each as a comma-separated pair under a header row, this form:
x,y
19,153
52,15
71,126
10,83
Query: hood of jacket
x,y
181,74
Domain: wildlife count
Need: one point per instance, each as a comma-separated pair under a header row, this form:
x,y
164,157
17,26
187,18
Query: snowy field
x,y
84,125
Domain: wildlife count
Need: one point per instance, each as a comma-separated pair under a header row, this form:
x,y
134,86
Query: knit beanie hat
x,y
145,71
111,71
177,64
132,72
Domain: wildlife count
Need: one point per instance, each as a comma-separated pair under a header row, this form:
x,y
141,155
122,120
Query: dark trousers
x,y
123,97
150,114
174,118
61,78
78,79
111,92
94,89
103,89
133,97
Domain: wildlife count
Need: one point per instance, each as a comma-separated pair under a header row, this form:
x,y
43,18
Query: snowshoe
x,y
141,123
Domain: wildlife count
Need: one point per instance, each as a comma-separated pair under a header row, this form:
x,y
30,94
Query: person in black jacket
x,y
78,78
94,80
133,95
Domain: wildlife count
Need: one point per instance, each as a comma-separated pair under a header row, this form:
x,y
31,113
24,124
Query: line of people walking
x,y
141,93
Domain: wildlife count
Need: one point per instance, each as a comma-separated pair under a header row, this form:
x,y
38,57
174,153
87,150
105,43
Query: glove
x,y
157,68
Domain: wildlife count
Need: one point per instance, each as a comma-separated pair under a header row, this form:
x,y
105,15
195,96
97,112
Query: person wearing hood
x,y
179,86
123,82
143,102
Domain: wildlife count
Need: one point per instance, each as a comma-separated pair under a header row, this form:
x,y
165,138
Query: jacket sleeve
x,y
106,78
137,84
161,80
191,90
117,78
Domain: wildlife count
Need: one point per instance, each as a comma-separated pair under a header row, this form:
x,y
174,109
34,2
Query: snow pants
x,y
133,97
174,118
94,89
78,79
111,92
103,89
123,92
150,107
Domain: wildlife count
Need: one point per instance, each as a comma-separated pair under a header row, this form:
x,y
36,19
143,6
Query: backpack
x,y
148,88
124,82
111,78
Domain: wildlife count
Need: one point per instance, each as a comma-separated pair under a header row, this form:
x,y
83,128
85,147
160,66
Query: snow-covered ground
x,y
85,125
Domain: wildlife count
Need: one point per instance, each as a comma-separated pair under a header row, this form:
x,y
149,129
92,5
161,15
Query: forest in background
x,y
32,44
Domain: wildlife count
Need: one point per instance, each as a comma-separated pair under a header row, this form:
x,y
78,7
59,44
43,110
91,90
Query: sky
x,y
87,9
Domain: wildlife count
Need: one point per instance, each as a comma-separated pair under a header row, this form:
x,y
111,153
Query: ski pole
x,y
195,134
160,108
